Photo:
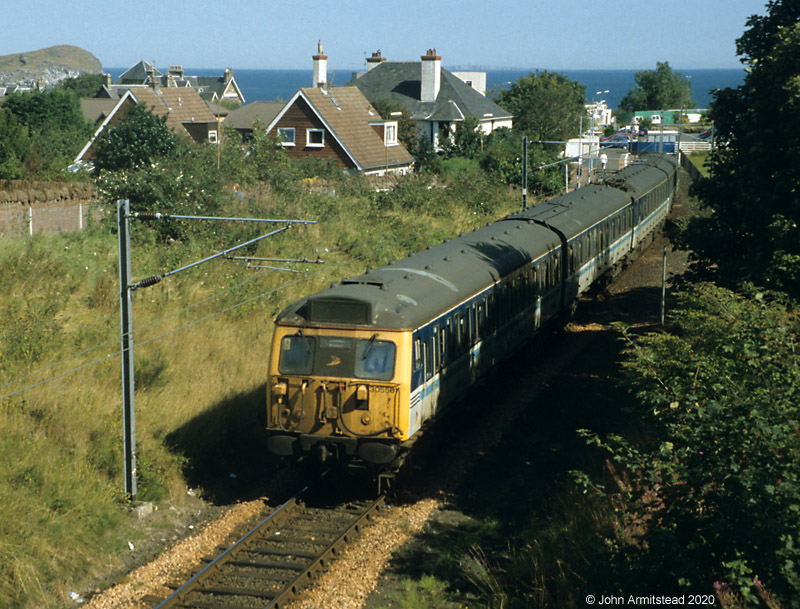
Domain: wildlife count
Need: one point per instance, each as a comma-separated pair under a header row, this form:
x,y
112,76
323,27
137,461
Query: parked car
x,y
619,140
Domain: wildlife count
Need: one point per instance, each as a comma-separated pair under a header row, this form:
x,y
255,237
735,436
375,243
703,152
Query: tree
x,y
136,140
546,105
56,128
15,145
85,85
716,487
658,89
753,230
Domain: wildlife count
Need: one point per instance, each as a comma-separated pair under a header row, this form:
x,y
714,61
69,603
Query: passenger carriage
x,y
358,369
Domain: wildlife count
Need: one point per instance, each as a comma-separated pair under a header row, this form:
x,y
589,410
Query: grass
x,y
202,342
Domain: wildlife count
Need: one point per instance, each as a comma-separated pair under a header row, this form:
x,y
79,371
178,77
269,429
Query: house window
x,y
287,136
390,134
212,136
315,137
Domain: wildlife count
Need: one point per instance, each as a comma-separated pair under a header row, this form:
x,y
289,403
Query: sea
x,y
601,85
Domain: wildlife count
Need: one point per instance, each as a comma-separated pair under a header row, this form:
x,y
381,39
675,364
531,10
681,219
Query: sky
x,y
265,34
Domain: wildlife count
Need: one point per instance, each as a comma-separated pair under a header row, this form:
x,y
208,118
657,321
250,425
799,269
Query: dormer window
x,y
390,134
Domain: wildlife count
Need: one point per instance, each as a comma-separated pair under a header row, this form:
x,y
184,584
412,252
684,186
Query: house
x,y
210,88
242,119
338,123
433,96
187,114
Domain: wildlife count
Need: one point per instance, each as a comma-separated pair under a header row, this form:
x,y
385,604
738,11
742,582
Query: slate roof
x,y
97,109
347,115
244,117
399,81
138,74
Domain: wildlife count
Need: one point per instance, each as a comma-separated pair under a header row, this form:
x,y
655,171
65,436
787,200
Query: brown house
x,y
187,114
341,125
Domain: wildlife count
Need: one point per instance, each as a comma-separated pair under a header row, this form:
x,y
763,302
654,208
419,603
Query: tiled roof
x,y
399,81
180,105
348,115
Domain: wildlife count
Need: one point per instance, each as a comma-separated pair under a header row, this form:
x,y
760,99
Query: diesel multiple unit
x,y
358,369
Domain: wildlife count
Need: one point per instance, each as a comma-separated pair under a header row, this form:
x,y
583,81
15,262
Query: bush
x,y
717,487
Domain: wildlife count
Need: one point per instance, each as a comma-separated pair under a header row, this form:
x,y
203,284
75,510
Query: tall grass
x,y
201,347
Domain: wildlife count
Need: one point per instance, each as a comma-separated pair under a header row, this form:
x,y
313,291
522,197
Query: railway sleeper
x,y
236,591
265,551
262,564
205,604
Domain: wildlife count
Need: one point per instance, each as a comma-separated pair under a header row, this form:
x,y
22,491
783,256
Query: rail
x,y
273,561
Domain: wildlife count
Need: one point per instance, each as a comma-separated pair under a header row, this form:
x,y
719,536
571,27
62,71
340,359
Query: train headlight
x,y
279,389
362,392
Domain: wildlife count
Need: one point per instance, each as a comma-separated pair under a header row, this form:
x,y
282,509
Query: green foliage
x,y
717,483
467,141
657,90
85,85
135,141
503,159
547,106
15,146
753,230
55,128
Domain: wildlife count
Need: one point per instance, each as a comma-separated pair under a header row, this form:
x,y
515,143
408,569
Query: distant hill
x,y
52,65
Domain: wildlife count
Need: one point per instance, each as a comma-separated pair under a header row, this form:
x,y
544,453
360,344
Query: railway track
x,y
269,566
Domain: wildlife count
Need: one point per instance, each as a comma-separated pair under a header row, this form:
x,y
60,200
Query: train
x,y
358,370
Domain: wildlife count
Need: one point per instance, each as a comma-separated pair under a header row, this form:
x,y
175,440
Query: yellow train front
x,y
357,370
337,392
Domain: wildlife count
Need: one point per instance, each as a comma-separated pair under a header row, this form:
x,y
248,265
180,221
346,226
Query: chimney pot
x,y
374,60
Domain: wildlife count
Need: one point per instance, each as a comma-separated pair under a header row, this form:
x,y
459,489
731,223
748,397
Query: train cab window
x,y
297,355
417,354
375,359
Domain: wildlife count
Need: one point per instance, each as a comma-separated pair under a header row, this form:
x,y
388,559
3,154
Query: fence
x,y
24,220
29,207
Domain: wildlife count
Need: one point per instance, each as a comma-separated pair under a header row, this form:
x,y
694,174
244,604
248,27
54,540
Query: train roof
x,y
407,293
578,210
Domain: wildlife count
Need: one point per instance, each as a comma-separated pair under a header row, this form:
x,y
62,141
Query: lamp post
x,y
594,111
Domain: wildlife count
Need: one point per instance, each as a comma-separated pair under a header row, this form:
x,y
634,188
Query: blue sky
x,y
530,34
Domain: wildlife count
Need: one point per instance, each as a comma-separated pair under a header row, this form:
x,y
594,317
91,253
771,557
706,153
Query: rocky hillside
x,y
52,65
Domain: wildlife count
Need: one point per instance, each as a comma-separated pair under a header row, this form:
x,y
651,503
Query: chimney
x,y
431,77
107,80
320,67
228,75
374,60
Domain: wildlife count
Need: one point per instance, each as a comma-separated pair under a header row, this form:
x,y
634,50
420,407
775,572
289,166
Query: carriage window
x,y
447,340
427,357
417,354
297,355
